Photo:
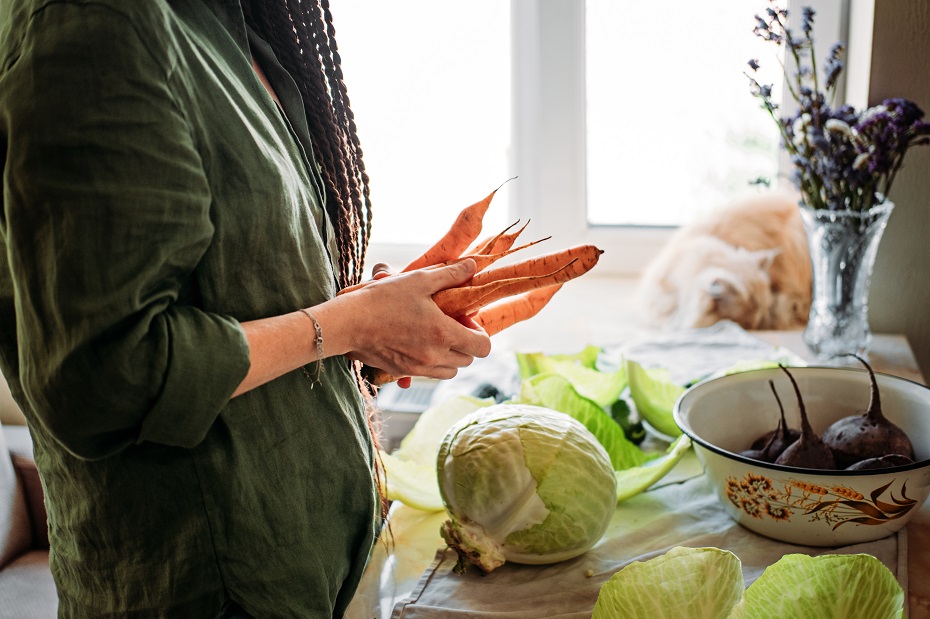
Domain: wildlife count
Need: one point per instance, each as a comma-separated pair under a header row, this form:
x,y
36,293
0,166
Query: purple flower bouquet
x,y
843,159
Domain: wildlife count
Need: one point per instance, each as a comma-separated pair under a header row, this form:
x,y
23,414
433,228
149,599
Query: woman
x,y
183,196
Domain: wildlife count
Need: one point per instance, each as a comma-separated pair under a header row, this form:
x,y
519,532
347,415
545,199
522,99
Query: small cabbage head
x,y
525,484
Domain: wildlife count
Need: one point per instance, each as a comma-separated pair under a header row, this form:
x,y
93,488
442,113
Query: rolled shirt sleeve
x,y
106,215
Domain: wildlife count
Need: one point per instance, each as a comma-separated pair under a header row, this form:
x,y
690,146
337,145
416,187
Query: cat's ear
x,y
765,257
724,296
719,289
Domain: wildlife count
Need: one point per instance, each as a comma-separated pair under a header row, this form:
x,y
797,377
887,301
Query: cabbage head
x,y
525,484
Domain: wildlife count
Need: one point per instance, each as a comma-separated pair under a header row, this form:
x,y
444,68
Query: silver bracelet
x,y
318,343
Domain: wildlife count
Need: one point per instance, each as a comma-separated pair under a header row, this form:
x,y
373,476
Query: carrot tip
x,y
504,183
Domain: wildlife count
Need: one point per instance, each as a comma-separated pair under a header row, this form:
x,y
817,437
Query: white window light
x,y
500,91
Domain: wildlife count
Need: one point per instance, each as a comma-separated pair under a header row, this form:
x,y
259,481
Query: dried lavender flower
x,y
807,21
841,158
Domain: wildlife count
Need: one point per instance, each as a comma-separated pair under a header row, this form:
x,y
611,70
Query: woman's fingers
x,y
470,323
449,276
436,363
472,341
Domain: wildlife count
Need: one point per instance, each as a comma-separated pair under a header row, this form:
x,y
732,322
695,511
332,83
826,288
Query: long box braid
x,y
302,35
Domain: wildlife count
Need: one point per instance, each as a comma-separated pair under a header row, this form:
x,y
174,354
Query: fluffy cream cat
x,y
747,262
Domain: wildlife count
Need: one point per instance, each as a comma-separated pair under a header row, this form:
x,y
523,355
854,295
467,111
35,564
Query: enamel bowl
x,y
724,415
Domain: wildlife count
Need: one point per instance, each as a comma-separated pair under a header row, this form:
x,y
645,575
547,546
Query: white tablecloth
x,y
680,514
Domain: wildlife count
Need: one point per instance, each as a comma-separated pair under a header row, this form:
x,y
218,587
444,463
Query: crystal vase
x,y
843,245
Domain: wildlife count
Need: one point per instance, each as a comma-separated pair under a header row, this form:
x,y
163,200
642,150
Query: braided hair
x,y
302,36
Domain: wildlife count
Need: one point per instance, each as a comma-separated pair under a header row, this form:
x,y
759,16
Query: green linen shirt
x,y
153,197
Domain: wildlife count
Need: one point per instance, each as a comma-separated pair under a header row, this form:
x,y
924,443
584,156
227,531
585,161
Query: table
x,y
393,572
890,354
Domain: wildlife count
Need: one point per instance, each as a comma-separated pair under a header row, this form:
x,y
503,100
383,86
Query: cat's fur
x,y
747,262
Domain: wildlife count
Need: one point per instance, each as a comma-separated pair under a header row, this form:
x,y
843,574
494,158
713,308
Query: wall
x,y
900,67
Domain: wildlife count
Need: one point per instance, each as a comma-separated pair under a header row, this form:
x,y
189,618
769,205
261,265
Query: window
x,y
430,86
672,130
621,120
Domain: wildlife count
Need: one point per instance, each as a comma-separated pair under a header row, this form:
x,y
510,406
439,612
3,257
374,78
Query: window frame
x,y
549,132
549,136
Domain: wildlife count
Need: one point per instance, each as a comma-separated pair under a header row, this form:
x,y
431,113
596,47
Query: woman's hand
x,y
391,324
397,327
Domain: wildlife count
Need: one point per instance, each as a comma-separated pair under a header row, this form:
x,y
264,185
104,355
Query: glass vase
x,y
843,245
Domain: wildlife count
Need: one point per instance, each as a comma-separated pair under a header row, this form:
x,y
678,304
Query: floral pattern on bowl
x,y
758,496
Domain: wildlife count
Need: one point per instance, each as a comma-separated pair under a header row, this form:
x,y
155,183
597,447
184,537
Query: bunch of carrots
x,y
495,298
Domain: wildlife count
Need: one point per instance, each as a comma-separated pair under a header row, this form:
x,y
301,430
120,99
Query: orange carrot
x,y
505,241
464,231
484,243
483,261
466,300
507,312
502,241
509,287
539,265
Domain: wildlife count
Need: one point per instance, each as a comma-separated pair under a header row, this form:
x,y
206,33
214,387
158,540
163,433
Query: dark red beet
x,y
867,434
784,436
808,451
755,454
884,462
771,444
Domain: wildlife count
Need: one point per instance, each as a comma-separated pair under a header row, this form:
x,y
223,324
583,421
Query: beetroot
x,y
770,445
867,434
809,451
883,462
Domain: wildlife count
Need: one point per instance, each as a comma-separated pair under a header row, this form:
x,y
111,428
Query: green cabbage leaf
x,y
707,583
638,479
654,394
559,393
697,583
581,370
